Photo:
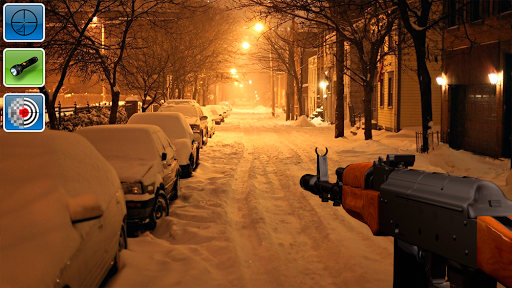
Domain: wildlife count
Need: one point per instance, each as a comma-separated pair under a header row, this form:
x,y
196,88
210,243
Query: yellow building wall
x,y
410,113
387,113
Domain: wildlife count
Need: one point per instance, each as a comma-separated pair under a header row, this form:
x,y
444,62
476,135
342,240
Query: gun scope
x,y
18,68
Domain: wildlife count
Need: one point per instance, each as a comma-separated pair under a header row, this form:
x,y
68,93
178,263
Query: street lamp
x,y
246,45
258,27
95,21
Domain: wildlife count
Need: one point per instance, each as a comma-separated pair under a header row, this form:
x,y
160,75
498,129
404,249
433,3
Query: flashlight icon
x,y
18,68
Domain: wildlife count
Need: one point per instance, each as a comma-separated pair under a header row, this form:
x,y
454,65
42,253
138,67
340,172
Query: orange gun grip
x,y
494,249
363,205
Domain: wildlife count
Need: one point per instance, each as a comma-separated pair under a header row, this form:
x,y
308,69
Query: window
x,y
503,5
474,10
391,42
453,12
390,89
381,96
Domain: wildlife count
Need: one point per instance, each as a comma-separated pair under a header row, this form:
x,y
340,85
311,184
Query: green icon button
x,y
23,67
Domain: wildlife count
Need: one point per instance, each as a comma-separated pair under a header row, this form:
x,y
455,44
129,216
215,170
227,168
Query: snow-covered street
x,y
242,220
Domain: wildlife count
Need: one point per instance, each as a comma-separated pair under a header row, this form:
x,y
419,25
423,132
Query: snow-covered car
x,y
218,118
145,161
62,213
226,104
225,110
195,118
176,128
181,101
211,122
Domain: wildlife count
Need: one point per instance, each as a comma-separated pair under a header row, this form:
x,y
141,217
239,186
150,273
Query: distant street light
x,y
246,45
233,71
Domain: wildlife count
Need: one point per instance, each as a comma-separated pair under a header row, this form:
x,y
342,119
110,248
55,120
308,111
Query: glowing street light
x,y
323,84
250,81
233,71
246,45
258,27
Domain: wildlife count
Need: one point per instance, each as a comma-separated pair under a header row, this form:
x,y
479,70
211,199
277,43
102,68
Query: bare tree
x,y
144,70
364,24
418,18
67,24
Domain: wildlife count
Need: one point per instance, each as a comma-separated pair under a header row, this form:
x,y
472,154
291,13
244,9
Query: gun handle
x,y
362,204
494,249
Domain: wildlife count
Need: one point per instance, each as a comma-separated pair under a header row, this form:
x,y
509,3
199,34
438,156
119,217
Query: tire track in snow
x,y
249,223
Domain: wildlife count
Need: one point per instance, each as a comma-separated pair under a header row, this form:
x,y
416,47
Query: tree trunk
x,y
298,90
50,107
206,86
339,126
367,103
425,89
115,105
195,87
290,99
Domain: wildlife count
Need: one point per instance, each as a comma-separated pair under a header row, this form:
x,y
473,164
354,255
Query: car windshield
x,y
129,144
186,110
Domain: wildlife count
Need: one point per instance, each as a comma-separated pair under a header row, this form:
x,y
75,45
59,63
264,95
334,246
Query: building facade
x,y
477,97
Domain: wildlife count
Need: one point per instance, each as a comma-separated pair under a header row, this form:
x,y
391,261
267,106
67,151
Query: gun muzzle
x,y
307,182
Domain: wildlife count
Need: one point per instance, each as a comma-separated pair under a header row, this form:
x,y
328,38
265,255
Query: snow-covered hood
x,y
136,170
192,120
183,150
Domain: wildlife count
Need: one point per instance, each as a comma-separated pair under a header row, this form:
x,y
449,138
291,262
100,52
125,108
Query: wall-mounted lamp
x,y
493,77
441,80
323,84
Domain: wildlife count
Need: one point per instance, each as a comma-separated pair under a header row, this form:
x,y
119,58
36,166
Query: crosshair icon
x,y
24,23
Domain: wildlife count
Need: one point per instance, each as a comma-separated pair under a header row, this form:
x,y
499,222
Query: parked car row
x,y
82,191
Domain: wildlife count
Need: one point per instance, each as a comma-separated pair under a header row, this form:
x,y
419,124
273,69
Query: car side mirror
x,y
164,156
84,207
203,118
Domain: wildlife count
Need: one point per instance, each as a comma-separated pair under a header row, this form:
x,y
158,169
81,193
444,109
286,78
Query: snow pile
x,y
258,110
99,115
303,121
38,176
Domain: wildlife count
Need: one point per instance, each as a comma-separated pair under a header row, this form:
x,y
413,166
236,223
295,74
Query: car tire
x,y
203,142
175,189
160,210
186,170
123,244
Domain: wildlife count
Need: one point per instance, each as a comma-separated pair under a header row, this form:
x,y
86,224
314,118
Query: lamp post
x,y
95,20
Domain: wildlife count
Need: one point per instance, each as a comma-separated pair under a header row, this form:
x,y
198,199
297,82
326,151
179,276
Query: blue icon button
x,y
23,112
23,22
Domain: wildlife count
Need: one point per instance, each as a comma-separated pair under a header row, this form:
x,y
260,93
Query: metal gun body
x,y
440,222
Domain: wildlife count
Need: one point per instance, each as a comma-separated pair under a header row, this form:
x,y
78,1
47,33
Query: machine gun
x,y
443,225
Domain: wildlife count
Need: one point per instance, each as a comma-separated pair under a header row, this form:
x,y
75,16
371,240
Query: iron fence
x,y
433,140
67,110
